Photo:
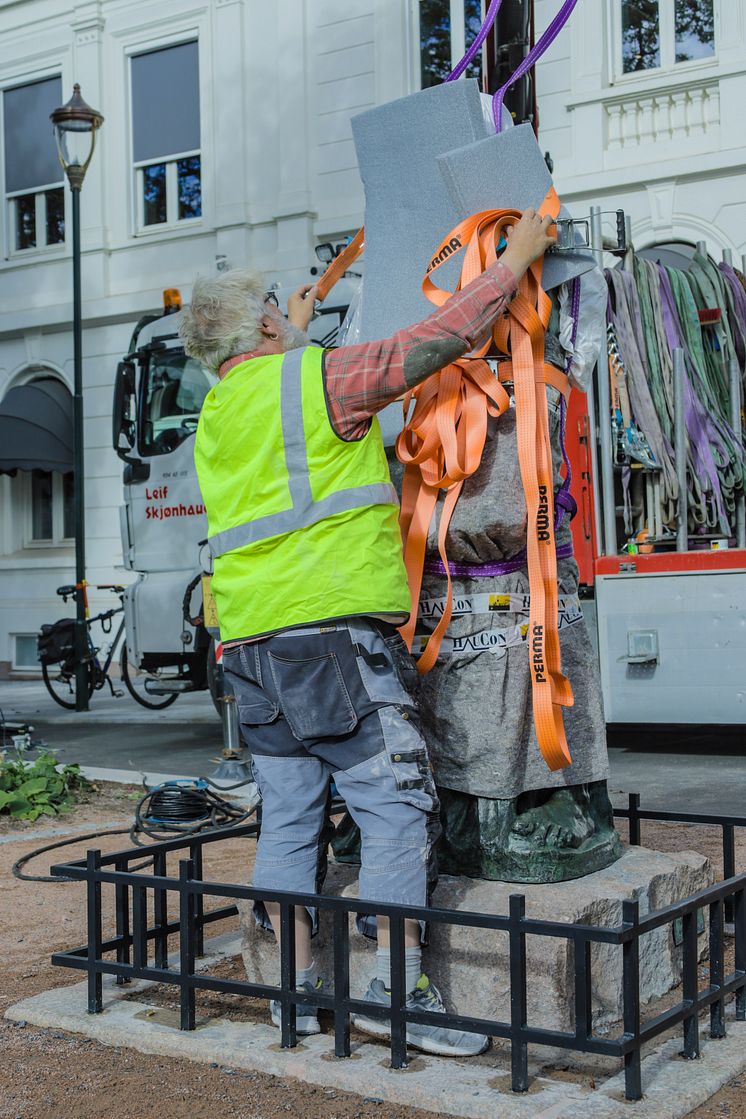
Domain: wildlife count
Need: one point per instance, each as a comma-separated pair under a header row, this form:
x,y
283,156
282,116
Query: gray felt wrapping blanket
x,y
476,707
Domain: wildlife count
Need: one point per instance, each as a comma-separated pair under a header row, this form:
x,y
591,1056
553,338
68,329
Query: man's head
x,y
232,314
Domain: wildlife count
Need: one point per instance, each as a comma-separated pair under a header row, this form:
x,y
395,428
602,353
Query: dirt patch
x,y
48,1073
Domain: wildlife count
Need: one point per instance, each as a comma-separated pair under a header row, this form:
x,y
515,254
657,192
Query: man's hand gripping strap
x,y
442,444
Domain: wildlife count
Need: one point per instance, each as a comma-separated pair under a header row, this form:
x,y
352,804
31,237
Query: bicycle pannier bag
x,y
56,643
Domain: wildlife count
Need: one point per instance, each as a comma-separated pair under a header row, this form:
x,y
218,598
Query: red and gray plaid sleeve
x,y
360,380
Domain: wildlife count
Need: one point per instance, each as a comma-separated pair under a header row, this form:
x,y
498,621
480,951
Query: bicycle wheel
x,y
134,681
60,683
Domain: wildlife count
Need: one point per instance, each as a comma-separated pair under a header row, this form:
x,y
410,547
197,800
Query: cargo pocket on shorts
x,y
255,708
407,755
313,696
382,670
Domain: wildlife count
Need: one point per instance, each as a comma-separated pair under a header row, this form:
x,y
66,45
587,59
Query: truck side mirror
x,y
124,411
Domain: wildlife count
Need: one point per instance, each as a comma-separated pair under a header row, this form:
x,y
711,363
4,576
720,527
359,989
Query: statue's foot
x,y
562,821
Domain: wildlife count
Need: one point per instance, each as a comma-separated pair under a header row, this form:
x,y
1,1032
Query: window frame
x,y
458,39
14,664
9,250
58,540
668,64
172,223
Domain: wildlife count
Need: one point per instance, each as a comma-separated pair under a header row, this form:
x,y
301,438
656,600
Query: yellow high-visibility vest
x,y
303,525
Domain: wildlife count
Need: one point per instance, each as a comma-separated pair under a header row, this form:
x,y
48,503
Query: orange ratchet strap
x,y
442,444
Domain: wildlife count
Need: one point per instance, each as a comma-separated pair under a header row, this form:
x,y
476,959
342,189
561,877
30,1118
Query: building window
x,y
24,651
446,28
52,508
166,136
657,34
34,191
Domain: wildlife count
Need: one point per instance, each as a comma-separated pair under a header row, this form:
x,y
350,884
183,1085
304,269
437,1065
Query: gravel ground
x,y
49,1073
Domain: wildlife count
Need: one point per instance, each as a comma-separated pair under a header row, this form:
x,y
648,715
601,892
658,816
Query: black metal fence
x,y
139,950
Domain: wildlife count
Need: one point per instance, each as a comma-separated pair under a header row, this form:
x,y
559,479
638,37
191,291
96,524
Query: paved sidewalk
x,y
120,734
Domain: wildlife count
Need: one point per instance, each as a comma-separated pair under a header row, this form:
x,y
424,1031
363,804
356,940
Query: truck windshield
x,y
173,389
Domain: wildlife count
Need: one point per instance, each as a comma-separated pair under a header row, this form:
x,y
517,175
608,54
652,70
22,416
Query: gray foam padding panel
x,y
508,171
408,204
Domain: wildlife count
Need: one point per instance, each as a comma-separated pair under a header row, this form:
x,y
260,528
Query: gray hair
x,y
223,317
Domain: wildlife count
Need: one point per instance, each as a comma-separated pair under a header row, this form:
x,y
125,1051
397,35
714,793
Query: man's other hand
x,y
301,306
527,240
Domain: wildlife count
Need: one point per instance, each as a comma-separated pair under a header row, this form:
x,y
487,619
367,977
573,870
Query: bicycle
x,y
56,645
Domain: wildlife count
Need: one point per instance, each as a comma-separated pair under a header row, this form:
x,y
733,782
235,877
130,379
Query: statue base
x,y
471,966
547,835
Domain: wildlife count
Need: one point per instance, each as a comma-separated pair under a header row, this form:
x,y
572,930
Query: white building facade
x,y
227,141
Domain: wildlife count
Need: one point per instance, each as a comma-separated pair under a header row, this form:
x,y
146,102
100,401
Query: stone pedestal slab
x,y
471,966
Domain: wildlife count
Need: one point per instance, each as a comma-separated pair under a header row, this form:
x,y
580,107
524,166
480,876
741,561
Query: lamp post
x,y
75,128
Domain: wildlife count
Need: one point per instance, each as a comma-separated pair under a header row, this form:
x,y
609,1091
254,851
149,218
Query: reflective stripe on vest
x,y
305,511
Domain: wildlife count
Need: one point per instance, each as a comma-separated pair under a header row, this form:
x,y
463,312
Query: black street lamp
x,y
75,128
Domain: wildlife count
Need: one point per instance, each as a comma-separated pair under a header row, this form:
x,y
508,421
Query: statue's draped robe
x,y
476,707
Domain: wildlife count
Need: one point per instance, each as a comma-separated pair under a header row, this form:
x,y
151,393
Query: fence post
x,y
583,1002
289,1038
195,854
398,993
690,985
717,1009
634,819
160,912
341,983
93,899
739,918
186,945
518,1045
729,863
139,928
121,902
631,998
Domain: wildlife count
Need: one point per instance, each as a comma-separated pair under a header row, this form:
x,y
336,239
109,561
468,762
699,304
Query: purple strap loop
x,y
545,41
471,53
435,566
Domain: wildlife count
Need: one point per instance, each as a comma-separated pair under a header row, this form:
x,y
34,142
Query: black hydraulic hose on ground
x,y
163,812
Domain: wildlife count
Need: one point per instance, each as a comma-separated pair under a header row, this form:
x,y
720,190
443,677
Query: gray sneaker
x,y
431,1039
306,1011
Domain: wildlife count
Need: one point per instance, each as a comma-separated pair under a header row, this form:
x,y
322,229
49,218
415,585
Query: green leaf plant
x,y
29,789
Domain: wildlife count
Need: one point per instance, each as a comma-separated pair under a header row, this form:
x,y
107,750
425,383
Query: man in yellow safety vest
x,y
310,587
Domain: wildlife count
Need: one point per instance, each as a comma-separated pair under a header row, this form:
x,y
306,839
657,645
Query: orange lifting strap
x,y
340,264
442,444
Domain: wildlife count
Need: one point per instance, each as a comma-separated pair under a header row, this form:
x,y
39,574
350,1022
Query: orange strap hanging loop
x,y
443,441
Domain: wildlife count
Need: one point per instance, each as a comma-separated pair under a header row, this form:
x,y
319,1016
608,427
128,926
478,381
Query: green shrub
x,y
32,789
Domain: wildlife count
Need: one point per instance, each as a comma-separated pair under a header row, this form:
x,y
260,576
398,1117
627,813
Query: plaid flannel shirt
x,y
361,380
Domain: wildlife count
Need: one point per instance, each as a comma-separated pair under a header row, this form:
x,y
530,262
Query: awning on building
x,y
36,428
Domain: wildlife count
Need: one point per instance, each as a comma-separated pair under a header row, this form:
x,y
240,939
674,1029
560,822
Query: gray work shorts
x,y
333,702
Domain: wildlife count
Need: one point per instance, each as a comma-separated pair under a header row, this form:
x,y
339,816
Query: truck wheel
x,y
134,682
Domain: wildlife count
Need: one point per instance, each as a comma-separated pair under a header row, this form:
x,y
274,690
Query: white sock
x,y
412,967
308,974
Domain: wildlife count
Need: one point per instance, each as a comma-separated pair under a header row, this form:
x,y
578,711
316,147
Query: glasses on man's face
x,y
271,297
